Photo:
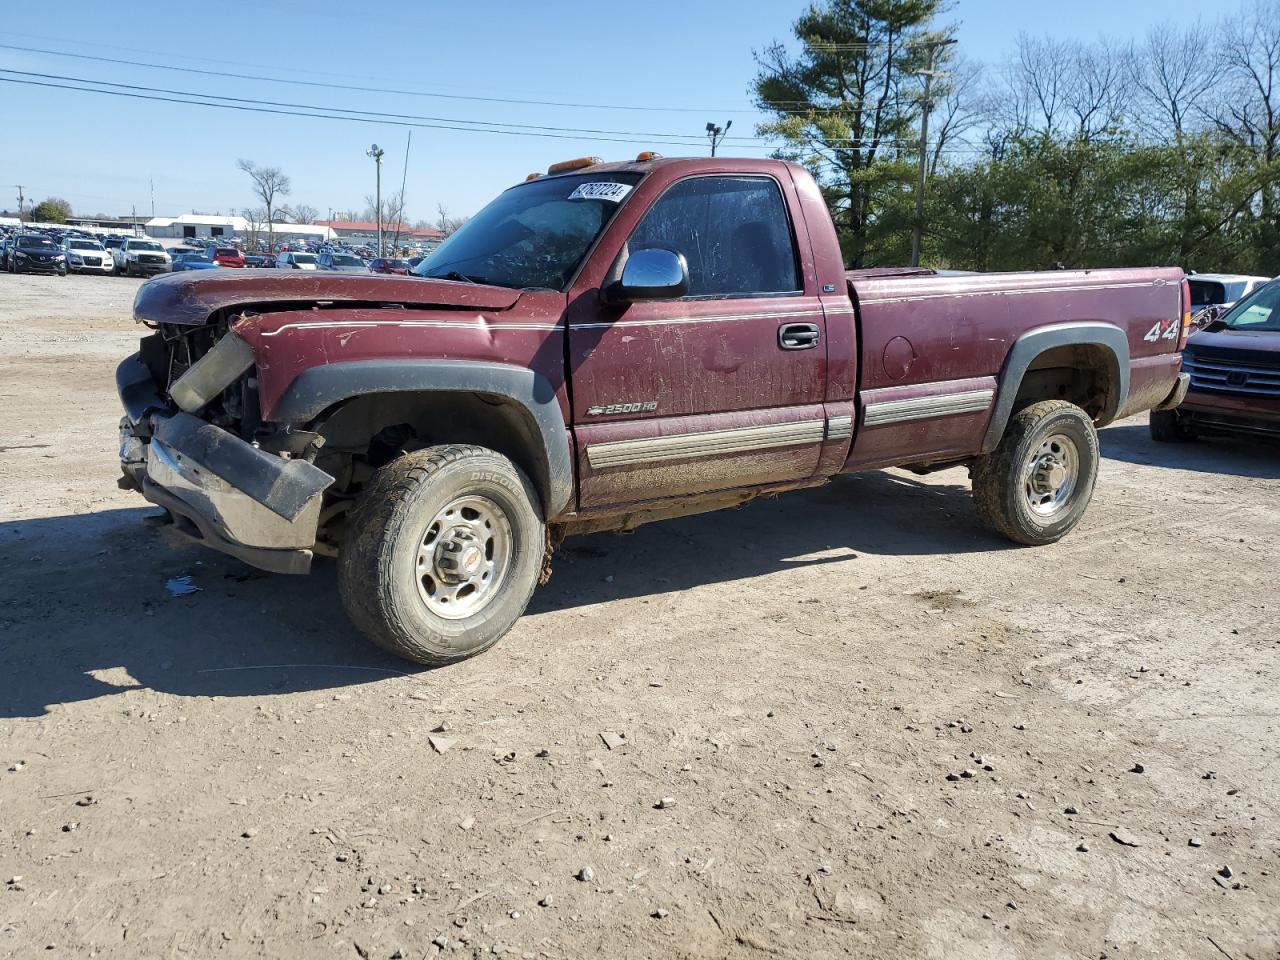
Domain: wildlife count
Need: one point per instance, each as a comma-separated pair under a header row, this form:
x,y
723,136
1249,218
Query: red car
x,y
228,257
387,265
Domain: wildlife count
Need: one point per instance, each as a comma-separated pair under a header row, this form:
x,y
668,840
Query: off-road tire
x,y
377,575
1167,427
999,484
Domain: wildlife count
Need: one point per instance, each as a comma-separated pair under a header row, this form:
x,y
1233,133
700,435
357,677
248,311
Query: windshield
x,y
28,240
303,258
144,245
533,235
83,245
226,252
1259,311
343,261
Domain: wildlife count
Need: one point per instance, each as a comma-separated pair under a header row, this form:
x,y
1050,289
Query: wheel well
x,y
375,428
1084,374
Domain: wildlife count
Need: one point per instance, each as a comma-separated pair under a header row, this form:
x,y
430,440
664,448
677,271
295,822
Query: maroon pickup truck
x,y
602,346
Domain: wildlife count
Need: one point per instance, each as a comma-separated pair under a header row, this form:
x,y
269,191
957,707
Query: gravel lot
x,y
236,772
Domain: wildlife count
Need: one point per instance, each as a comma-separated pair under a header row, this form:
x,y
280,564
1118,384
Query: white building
x,y
199,226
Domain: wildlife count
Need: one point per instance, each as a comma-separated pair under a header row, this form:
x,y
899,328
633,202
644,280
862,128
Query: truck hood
x,y
1260,346
191,298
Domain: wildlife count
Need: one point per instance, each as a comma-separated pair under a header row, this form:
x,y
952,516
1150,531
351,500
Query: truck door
x,y
722,388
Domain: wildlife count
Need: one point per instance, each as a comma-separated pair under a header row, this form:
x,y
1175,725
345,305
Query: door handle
x,y
798,336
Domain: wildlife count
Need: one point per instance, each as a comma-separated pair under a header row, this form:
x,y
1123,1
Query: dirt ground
x,y
236,773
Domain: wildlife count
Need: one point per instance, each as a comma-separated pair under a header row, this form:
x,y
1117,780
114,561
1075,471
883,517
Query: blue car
x,y
193,261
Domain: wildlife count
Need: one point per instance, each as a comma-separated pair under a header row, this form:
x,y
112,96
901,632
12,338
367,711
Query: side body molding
x,y
1035,342
319,388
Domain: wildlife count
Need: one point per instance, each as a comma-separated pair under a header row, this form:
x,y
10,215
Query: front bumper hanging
x,y
220,490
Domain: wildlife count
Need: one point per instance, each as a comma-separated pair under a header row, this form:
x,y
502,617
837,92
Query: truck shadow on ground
x,y
1237,457
84,611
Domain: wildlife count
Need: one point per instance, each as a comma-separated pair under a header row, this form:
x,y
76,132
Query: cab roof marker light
x,y
644,156
566,165
533,176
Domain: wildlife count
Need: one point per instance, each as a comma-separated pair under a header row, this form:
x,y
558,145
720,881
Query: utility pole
x,y
135,219
153,198
21,200
925,106
376,152
715,133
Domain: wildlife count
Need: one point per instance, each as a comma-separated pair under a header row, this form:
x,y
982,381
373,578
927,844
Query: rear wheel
x,y
442,554
1168,427
1036,485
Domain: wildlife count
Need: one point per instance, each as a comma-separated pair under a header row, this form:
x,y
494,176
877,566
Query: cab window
x,y
733,231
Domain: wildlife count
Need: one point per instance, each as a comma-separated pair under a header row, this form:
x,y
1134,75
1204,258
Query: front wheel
x,y
1036,485
443,551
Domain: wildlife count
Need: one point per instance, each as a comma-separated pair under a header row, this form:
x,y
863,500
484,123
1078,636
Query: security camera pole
x,y
376,153
715,134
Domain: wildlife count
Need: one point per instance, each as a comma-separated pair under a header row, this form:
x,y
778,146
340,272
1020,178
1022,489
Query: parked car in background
x,y
1220,290
5,244
227,257
341,263
260,260
296,261
87,256
192,261
389,265
1234,364
36,253
138,257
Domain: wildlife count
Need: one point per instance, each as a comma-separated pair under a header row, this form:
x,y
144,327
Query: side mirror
x,y
1206,317
651,275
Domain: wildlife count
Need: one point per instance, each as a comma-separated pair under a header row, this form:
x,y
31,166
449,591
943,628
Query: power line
x,y
363,89
366,113
284,108
333,116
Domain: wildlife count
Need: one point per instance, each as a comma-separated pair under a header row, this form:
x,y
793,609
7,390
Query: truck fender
x,y
1030,345
319,388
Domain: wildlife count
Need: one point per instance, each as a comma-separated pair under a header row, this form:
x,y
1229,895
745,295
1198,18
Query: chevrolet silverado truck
x,y
602,346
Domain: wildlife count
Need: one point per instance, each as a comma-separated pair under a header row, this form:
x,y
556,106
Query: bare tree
x,y
1250,113
268,183
301,213
1173,73
1099,88
255,219
446,223
392,215
959,111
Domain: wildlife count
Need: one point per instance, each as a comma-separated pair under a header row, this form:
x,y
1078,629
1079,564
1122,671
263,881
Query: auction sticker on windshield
x,y
613,192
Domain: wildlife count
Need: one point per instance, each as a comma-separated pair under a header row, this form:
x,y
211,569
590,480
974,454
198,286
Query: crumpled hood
x,y
191,298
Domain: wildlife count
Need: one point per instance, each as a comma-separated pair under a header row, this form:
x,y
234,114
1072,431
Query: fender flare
x,y
1030,345
319,388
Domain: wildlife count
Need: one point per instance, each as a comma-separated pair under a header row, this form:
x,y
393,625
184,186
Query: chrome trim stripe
x,y
958,294
839,428
815,312
622,453
917,408
481,325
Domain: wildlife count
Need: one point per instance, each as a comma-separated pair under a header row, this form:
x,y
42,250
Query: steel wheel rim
x,y
464,557
1051,475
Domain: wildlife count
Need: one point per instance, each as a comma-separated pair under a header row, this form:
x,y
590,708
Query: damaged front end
x,y
191,441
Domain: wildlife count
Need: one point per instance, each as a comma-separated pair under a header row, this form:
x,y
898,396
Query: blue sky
x,y
691,59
